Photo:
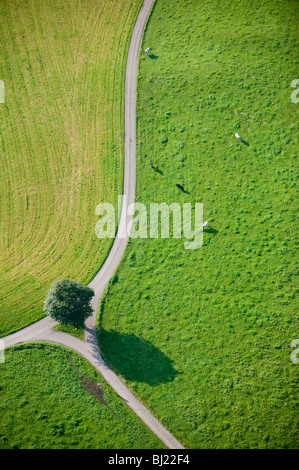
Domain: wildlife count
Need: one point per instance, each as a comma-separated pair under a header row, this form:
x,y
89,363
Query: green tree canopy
x,y
69,302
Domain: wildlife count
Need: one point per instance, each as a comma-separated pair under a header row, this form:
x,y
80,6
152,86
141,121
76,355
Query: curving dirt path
x,y
42,330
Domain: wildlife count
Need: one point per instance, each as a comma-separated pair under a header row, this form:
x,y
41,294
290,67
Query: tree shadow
x,y
153,56
210,230
135,358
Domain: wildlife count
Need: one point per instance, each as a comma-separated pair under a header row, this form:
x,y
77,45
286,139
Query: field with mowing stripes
x,y
61,142
204,336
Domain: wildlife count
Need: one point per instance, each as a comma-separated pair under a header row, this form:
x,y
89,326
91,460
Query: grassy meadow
x,y
57,404
61,142
204,336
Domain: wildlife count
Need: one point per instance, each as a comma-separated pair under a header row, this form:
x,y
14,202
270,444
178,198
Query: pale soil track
x,y
42,330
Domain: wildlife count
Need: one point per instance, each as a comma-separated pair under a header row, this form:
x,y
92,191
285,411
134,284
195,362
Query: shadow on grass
x,y
153,56
159,171
244,142
211,230
184,191
135,358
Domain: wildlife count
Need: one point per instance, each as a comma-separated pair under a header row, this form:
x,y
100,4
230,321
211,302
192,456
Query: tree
x,y
69,302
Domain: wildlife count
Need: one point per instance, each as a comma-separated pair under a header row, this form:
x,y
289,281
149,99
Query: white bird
x,y
237,135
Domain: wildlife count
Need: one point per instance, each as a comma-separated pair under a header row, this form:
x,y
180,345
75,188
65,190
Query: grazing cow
x,y
147,50
237,135
205,224
152,166
180,187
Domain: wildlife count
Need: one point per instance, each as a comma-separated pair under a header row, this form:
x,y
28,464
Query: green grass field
x,y
204,336
78,332
61,142
57,404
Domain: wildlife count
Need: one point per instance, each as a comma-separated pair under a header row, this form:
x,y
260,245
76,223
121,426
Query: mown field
x,y
61,142
204,336
57,404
